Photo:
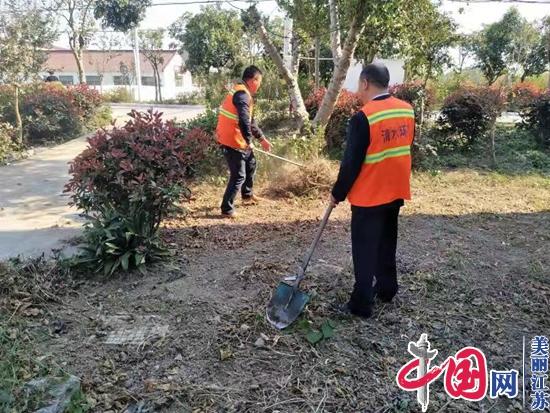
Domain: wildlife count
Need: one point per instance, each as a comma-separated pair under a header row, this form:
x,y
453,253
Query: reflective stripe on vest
x,y
227,114
388,153
390,114
385,174
228,132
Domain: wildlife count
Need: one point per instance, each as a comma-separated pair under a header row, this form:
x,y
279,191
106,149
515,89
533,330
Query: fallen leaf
x,y
225,354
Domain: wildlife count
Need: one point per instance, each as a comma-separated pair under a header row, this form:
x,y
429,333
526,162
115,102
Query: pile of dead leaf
x,y
317,176
26,286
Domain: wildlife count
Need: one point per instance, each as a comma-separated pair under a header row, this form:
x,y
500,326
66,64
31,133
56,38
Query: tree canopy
x,y
122,15
213,38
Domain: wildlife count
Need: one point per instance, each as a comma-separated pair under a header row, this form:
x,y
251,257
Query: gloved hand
x,y
266,145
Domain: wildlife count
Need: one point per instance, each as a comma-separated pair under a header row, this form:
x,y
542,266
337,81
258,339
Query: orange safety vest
x,y
386,171
228,132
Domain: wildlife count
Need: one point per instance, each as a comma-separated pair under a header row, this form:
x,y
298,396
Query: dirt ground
x,y
191,336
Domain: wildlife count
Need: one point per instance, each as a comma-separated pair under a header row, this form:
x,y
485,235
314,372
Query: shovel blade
x,y
286,304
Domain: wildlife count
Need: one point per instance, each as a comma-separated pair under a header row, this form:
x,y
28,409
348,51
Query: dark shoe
x,y
229,215
384,297
346,310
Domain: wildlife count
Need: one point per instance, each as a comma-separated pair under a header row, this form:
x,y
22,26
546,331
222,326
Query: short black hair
x,y
376,73
251,72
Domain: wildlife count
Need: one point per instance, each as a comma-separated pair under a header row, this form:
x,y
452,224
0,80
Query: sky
x,y
472,17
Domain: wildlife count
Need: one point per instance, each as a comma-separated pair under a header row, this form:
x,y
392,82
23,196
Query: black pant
x,y
242,167
374,241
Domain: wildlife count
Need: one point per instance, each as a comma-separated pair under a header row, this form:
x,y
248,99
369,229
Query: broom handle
x,y
279,157
313,245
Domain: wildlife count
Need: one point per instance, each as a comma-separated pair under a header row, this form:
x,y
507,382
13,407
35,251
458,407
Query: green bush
x,y
468,114
215,90
271,113
192,98
102,118
206,121
6,100
536,118
119,95
7,145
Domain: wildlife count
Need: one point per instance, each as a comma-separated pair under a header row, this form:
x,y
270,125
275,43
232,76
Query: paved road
x,y
34,215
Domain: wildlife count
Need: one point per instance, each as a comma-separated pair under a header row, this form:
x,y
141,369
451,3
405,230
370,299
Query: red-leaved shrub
x,y
421,98
470,112
128,180
86,100
346,106
145,162
522,95
52,112
49,114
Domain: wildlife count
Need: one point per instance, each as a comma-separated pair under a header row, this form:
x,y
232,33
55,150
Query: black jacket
x,y
248,128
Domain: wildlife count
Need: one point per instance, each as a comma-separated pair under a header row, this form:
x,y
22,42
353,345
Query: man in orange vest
x,y
235,131
375,177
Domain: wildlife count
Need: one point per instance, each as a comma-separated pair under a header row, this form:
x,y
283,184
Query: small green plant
x,y
119,242
316,335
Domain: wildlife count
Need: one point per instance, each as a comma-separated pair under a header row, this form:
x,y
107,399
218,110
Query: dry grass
x,y
317,176
473,267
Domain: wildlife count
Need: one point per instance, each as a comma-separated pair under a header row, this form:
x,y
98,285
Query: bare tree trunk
x,y
295,44
294,63
159,83
493,148
340,71
19,122
335,40
297,101
79,65
156,85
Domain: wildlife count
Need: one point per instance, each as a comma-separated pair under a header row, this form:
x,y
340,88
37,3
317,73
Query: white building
x,y
395,66
107,70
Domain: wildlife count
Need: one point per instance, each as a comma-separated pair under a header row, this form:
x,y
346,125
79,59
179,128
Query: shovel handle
x,y
313,245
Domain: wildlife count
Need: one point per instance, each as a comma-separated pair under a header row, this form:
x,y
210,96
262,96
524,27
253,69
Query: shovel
x,y
288,301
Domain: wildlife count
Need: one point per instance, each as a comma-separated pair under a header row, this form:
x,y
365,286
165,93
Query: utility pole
x,y
137,64
317,68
